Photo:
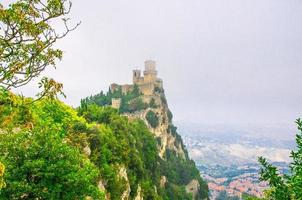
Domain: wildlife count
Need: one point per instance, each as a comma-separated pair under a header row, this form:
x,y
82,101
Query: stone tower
x,y
150,73
136,76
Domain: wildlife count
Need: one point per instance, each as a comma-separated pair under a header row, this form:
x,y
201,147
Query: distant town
x,y
236,181
226,167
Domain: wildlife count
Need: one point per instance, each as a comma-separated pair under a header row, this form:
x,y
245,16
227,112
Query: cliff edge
x,y
145,99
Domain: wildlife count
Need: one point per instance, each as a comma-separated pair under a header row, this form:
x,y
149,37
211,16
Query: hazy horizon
x,y
224,62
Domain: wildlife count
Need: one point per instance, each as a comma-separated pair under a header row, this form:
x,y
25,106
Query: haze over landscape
x,y
222,62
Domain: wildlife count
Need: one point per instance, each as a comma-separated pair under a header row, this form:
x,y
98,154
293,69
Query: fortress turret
x,y
150,65
146,83
136,76
150,72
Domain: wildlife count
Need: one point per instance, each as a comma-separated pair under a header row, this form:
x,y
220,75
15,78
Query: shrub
x,y
170,116
152,103
136,105
152,119
39,165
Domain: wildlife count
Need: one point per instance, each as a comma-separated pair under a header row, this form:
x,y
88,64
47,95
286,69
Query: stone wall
x,y
116,103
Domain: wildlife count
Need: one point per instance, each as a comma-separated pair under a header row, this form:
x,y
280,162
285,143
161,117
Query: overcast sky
x,y
222,61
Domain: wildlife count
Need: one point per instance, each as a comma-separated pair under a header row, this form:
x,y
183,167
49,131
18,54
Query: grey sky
x,y
222,61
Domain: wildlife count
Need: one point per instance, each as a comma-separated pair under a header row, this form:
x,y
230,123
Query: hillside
x,y
52,151
145,100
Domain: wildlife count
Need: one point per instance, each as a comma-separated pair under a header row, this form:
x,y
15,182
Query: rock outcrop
x,y
193,188
145,100
164,130
123,174
138,193
157,117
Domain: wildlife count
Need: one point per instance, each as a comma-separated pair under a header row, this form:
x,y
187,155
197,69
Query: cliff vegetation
x,y
52,151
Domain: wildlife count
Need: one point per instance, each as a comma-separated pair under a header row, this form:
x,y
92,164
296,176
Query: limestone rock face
x,y
154,111
101,187
151,88
87,150
123,174
193,188
164,130
138,193
166,135
163,181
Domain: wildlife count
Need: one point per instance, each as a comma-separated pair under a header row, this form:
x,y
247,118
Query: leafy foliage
x,y
170,115
39,160
130,102
27,36
118,142
285,187
152,103
42,166
177,192
181,171
44,144
134,105
158,90
152,119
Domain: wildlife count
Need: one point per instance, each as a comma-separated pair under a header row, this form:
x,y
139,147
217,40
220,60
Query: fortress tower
x,y
136,76
150,73
147,84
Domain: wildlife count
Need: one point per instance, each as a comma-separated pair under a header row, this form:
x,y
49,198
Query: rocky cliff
x,y
164,131
118,145
176,171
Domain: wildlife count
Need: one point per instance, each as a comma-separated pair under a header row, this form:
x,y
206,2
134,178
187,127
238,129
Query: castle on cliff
x,y
146,83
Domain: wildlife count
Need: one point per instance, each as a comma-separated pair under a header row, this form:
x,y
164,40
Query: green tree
x,y
27,36
285,187
136,105
152,103
178,192
170,115
152,119
41,166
